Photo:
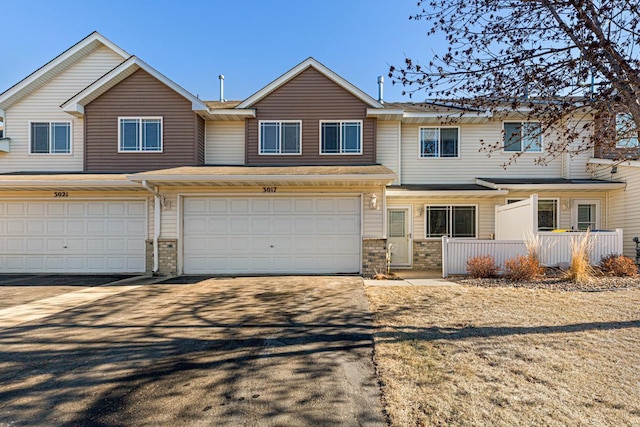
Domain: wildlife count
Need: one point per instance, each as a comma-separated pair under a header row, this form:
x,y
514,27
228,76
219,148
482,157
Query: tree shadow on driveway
x,y
250,351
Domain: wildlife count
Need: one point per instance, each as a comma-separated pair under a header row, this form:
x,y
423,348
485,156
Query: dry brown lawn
x,y
507,357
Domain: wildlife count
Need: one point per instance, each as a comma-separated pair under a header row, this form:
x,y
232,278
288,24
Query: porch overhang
x,y
443,191
314,176
549,184
39,181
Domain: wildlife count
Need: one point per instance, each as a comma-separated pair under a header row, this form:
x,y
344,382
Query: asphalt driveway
x,y
237,351
18,289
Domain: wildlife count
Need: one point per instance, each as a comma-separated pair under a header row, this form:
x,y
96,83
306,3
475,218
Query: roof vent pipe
x,y
381,89
221,77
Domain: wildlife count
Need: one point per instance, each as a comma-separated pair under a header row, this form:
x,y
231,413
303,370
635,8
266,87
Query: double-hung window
x,y
452,221
50,137
140,134
439,142
341,137
626,131
522,137
281,137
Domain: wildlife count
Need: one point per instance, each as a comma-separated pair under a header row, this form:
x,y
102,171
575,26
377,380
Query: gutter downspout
x,y
158,202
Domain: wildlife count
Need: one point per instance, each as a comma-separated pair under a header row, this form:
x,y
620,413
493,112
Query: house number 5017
x,y
269,189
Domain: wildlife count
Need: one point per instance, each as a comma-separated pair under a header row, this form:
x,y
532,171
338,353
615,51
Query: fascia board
x,y
248,178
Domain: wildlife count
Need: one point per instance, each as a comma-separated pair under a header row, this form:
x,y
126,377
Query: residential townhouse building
x,y
108,166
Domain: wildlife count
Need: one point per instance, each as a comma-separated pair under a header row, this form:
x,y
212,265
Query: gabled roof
x,y
309,62
56,66
75,105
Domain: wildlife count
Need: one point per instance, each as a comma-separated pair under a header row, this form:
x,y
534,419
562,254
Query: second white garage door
x,y
72,236
242,235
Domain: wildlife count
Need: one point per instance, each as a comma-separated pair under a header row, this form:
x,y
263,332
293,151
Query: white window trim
x,y
574,211
161,150
260,153
48,121
477,220
502,132
340,122
421,157
540,199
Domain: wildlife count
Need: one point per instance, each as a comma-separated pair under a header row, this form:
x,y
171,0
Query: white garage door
x,y
72,237
274,235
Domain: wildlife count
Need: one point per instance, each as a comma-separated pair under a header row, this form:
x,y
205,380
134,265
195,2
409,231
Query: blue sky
x,y
251,42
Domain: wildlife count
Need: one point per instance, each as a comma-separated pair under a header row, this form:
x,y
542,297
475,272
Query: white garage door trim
x,y
359,230
83,235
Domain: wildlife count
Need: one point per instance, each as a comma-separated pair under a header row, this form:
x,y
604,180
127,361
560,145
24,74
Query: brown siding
x,y
311,97
140,95
200,142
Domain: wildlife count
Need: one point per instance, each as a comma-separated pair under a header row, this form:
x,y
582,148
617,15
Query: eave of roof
x,y
559,184
309,62
42,180
56,66
611,162
442,191
75,105
254,175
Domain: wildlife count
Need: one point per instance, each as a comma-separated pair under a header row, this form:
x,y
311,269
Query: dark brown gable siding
x,y
200,141
139,95
311,97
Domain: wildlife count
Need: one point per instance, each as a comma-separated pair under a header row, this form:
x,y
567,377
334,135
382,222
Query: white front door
x,y
586,214
399,236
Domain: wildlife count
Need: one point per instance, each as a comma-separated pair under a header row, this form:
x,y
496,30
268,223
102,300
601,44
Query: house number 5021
x,y
269,189
60,194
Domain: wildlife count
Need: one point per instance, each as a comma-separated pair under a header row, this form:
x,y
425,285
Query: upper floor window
x,y
50,137
341,137
140,134
626,131
280,137
452,221
522,137
439,142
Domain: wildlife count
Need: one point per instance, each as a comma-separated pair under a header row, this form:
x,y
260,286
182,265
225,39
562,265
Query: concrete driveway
x,y
236,351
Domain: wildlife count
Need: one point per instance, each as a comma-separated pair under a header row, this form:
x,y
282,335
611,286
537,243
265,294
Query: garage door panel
x,y
73,236
35,226
283,225
304,205
239,206
57,226
272,235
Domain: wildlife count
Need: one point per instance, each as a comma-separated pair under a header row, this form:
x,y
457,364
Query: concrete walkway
x,y
413,278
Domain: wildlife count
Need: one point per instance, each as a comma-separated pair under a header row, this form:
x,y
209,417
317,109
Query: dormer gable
x,y
297,70
57,66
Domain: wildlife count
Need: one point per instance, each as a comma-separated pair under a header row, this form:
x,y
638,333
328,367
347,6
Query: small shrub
x,y
618,265
522,268
533,243
580,270
482,267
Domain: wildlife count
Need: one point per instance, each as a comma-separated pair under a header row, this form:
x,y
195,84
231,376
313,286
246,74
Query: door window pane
x,y
586,217
397,224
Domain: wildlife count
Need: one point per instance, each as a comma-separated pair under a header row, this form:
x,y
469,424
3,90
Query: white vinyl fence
x,y
555,248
